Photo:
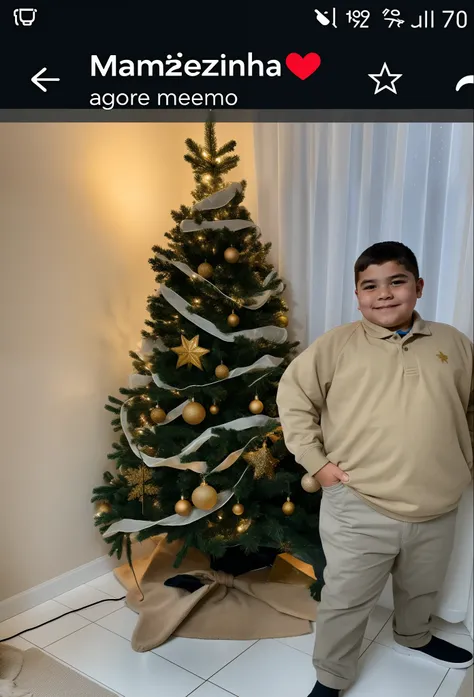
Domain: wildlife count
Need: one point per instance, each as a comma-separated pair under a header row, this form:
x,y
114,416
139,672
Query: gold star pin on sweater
x,y
442,357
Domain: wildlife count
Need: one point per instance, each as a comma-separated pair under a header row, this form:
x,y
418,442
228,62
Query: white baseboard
x,y
56,586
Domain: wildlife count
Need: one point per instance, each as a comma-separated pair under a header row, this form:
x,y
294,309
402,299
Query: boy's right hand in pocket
x,y
331,474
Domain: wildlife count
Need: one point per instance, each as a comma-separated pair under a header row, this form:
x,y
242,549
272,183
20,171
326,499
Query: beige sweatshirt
x,y
395,413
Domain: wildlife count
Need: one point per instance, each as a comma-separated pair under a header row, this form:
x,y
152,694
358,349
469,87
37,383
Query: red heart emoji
x,y
303,67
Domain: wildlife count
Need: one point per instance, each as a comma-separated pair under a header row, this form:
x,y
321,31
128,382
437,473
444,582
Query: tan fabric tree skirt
x,y
33,673
226,607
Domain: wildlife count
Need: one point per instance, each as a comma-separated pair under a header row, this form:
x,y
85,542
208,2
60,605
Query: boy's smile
x,y
388,294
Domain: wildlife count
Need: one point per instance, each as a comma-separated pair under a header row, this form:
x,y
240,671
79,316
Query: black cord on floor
x,y
23,631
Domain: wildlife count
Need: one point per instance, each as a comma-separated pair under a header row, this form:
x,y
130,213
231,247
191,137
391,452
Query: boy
x,y
377,411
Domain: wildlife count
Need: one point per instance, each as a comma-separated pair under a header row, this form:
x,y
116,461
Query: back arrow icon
x,y
37,79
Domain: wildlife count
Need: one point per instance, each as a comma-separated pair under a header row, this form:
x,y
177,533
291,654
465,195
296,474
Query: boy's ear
x,y
357,296
420,284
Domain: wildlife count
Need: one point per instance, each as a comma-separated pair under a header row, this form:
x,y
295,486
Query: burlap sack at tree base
x,y
226,607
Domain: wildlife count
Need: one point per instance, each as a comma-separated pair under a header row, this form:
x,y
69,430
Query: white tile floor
x,y
96,642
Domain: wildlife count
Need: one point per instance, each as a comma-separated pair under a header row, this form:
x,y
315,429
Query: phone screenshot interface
x,y
237,349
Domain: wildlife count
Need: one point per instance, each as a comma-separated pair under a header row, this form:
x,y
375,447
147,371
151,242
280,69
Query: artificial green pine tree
x,y
219,304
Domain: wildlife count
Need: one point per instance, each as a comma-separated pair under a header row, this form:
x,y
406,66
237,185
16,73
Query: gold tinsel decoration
x,y
189,353
262,461
139,478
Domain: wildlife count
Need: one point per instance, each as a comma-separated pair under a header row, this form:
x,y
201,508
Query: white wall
x,y
81,205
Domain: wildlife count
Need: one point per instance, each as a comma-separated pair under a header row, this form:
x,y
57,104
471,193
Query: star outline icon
x,y
385,72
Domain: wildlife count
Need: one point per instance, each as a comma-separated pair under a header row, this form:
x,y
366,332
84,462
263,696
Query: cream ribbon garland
x,y
174,461
130,525
232,224
262,363
219,199
271,333
259,300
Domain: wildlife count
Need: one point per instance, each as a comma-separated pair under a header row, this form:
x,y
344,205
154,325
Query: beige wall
x,y
80,207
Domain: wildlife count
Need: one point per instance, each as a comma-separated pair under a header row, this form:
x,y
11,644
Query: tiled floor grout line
x,y
22,635
151,651
442,681
211,683
209,679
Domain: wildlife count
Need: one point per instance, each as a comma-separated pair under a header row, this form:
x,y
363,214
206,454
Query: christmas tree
x,y
201,455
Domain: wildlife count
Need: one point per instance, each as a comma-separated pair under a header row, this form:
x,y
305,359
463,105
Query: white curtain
x,y
326,192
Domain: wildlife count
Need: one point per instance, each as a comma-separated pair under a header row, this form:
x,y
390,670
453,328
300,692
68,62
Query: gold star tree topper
x,y
190,352
262,461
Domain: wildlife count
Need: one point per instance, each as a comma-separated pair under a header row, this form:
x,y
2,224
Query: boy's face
x,y
388,294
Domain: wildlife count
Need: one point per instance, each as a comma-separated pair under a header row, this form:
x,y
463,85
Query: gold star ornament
x,y
262,461
190,353
442,357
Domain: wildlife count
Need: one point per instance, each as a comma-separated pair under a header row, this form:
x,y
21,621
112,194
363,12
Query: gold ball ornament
x,y
183,507
233,320
194,413
243,526
256,406
282,320
237,509
101,508
205,270
204,497
158,415
231,255
222,371
148,450
214,409
137,432
310,484
288,507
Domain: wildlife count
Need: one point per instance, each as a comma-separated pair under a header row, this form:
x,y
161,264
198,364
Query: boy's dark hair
x,y
382,252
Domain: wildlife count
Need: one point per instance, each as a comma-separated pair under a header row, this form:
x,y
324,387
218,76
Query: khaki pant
x,y
362,547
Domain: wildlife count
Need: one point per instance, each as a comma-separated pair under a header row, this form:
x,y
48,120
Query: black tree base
x,y
236,562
